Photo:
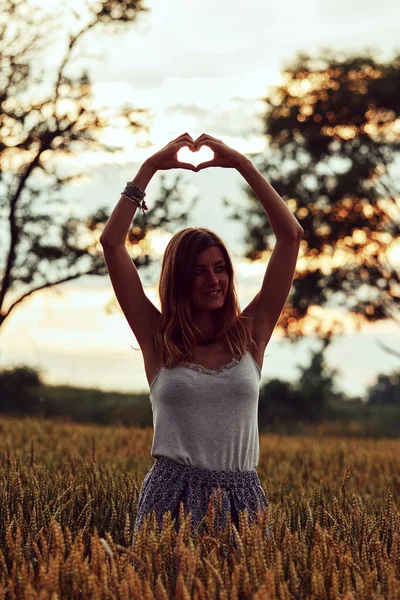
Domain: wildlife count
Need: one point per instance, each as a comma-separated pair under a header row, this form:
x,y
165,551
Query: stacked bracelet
x,y
134,194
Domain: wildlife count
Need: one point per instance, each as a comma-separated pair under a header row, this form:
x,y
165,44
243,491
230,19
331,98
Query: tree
x,y
306,400
332,128
386,390
47,116
20,390
316,385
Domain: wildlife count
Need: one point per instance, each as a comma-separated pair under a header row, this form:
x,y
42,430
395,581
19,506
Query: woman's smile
x,y
211,280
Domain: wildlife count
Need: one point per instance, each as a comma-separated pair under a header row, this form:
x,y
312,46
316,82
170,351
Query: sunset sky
x,y
198,67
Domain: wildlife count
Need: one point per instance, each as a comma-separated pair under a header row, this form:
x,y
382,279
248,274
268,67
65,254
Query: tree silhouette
x,y
20,390
307,399
45,116
332,129
386,389
317,384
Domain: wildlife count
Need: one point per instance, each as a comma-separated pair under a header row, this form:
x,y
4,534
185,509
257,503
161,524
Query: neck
x,y
207,331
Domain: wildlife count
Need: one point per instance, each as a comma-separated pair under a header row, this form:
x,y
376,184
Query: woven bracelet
x,y
134,194
137,192
140,204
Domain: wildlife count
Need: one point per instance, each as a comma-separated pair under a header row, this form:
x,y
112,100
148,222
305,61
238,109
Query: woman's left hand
x,y
224,156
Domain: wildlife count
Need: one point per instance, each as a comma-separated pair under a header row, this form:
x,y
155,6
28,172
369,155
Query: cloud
x,y
237,118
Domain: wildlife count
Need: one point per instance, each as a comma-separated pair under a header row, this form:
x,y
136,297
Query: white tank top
x,y
207,418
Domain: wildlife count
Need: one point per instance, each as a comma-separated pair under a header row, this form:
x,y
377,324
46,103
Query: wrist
x,y
243,163
149,166
144,175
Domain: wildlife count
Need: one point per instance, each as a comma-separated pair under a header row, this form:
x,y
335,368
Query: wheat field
x,y
68,498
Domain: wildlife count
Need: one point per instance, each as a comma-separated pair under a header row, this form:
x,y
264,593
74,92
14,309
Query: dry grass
x,y
68,497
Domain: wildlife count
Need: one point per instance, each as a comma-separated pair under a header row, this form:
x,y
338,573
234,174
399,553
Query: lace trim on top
x,y
202,369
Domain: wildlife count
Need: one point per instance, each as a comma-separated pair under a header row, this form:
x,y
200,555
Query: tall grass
x,y
68,498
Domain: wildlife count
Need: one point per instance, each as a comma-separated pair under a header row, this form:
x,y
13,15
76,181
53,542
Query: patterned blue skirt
x,y
169,483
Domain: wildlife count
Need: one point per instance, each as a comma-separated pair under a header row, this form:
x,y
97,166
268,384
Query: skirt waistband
x,y
205,477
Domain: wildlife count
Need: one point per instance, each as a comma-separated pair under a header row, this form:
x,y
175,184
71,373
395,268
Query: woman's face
x,y
211,275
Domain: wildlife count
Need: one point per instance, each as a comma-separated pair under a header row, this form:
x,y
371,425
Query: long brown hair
x,y
177,334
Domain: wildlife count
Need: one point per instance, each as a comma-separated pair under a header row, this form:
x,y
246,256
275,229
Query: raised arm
x,y
139,311
265,308
117,226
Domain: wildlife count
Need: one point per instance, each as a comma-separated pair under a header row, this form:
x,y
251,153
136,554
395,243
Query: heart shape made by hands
x,y
195,158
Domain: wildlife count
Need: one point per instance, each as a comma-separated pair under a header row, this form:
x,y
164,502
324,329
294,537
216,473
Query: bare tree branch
x,y
48,284
387,349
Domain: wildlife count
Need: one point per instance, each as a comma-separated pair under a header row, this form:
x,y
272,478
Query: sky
x,y
197,67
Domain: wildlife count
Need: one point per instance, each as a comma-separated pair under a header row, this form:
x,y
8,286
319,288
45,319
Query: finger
x,y
207,141
182,140
200,139
187,166
179,145
184,136
187,141
206,136
204,165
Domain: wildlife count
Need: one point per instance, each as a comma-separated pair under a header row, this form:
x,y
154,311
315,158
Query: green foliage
x,y
97,406
20,391
43,246
306,400
386,390
331,141
316,386
309,405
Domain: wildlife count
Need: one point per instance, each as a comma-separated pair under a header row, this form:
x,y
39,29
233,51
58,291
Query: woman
x,y
203,356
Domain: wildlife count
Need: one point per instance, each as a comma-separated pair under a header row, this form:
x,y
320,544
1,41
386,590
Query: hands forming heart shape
x,y
196,157
193,154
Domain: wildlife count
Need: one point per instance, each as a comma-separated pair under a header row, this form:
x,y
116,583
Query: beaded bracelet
x,y
134,194
139,193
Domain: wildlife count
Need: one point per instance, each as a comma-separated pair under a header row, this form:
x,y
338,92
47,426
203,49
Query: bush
x,y
386,390
20,390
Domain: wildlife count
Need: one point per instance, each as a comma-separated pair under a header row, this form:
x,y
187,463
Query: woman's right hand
x,y
166,158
